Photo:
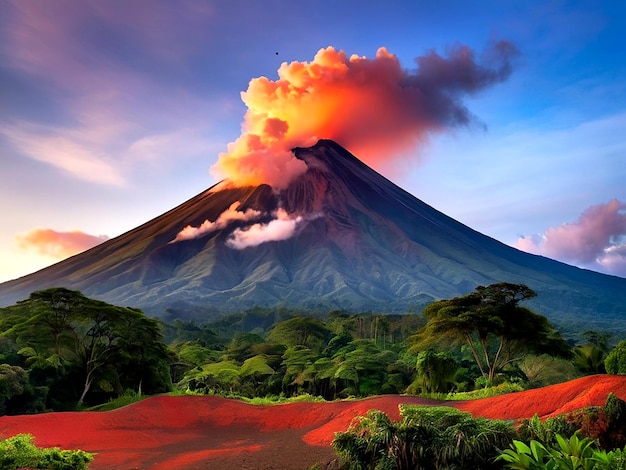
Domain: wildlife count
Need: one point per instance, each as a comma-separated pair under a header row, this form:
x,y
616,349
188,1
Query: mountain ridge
x,y
363,244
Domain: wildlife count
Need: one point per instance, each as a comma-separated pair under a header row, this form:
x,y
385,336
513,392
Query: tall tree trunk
x,y
86,388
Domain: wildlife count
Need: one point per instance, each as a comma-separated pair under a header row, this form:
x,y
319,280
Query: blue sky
x,y
112,113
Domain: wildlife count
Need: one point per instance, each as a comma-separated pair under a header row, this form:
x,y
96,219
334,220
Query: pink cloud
x,y
596,240
224,219
58,245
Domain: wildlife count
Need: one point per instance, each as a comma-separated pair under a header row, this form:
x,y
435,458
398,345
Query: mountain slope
x,y
362,244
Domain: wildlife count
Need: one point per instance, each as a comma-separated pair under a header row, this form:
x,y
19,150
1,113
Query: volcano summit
x,y
340,236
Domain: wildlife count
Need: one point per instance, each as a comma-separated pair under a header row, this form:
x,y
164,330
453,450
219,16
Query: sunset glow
x,y
507,118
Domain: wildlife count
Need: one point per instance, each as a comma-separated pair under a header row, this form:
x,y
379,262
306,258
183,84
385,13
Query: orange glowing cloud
x,y
58,245
373,107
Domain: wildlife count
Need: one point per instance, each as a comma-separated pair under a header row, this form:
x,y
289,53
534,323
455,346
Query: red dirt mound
x,y
210,432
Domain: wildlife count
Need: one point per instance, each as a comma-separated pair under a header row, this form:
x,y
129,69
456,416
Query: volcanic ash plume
x,y
373,107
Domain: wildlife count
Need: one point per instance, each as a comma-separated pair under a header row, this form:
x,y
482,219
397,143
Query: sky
x,y
508,116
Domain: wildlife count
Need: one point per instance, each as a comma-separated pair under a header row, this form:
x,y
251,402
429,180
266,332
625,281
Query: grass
x,y
129,397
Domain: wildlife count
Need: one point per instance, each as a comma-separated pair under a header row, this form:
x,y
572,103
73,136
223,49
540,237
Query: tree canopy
x,y
491,322
65,335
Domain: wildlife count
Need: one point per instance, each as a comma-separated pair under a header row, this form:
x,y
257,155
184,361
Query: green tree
x,y
615,362
494,326
435,372
589,359
544,370
364,366
299,369
300,331
117,346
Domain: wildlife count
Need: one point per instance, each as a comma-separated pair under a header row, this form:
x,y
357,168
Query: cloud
x,y
282,227
373,107
58,245
596,240
93,109
70,153
224,219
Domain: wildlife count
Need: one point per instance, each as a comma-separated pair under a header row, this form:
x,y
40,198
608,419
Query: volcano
x,y
359,243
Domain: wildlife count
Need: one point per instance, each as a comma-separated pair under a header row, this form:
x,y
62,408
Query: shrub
x,y
20,452
426,438
574,453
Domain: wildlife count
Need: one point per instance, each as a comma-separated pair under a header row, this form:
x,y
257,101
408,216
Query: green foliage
x,y
497,330
605,425
300,331
486,392
425,438
615,362
589,359
128,398
436,372
545,432
543,370
20,452
71,345
575,453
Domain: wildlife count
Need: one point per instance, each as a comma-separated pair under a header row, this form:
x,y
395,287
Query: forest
x,y
60,350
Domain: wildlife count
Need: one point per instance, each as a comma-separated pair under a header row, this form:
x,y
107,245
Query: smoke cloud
x,y
282,227
597,240
58,245
224,219
373,107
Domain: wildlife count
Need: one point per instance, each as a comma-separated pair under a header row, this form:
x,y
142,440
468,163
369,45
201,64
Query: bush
x,y
574,453
426,438
20,452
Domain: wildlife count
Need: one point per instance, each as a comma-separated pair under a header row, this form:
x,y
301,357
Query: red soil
x,y
210,432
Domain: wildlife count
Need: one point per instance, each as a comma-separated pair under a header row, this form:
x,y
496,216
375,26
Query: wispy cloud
x,y
73,154
230,215
597,240
57,245
113,113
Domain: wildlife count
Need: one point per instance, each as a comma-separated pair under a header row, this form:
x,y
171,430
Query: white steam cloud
x,y
282,227
224,219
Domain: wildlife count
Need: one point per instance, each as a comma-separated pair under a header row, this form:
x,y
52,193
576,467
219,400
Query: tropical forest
x,y
63,351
